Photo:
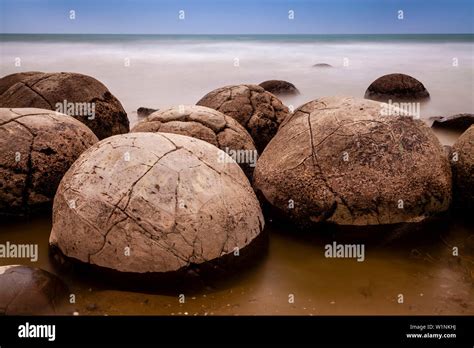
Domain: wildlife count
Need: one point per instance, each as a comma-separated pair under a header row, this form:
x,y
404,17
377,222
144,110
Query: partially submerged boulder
x,y
77,95
37,147
30,291
337,160
458,122
462,164
279,87
153,203
396,87
259,111
206,124
144,112
322,65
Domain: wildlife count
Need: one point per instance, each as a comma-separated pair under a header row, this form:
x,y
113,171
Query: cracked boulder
x,y
338,160
279,87
37,147
259,111
153,203
397,87
206,124
462,164
30,291
77,95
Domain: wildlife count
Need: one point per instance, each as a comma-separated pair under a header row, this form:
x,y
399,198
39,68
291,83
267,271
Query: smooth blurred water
x,y
171,69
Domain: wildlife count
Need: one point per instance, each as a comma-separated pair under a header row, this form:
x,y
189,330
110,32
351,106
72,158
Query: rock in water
x,y
462,164
279,87
209,125
338,160
259,111
37,147
153,202
144,112
77,95
397,87
30,291
459,122
322,65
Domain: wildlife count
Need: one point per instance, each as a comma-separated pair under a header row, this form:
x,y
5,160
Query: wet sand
x,y
417,263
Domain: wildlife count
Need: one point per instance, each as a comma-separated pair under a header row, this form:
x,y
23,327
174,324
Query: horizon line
x,y
274,34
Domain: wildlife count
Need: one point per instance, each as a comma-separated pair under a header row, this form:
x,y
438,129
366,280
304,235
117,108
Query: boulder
x,y
153,203
338,160
279,87
322,65
458,122
259,111
37,147
209,125
30,291
462,164
77,95
144,112
397,87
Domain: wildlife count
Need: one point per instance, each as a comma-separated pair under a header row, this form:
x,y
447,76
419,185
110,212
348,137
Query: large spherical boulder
x,y
37,147
338,160
462,164
206,124
397,87
259,111
279,87
77,95
153,202
30,291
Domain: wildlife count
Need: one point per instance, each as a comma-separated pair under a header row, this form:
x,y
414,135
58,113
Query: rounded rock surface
x,y
206,124
339,161
279,87
396,86
37,148
77,95
30,291
259,111
166,197
462,164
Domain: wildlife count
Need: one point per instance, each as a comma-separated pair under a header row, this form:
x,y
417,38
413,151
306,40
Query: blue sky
x,y
236,16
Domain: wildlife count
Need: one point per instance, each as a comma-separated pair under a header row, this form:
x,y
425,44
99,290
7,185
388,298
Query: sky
x,y
236,16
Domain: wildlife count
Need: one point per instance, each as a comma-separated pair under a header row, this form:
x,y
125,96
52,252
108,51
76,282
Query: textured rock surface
x,y
259,111
7,81
30,291
45,90
206,124
279,87
460,122
172,203
462,164
37,147
339,161
396,86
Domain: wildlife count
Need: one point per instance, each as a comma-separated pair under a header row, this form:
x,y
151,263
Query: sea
x,y
160,71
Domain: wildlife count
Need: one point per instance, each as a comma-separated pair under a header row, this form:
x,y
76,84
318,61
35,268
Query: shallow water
x,y
418,264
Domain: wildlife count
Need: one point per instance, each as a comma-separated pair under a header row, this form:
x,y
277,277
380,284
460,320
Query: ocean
x,y
161,71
